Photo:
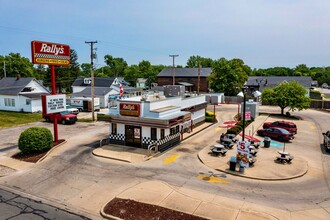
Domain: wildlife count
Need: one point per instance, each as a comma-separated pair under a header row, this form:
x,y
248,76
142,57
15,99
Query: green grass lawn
x,y
10,119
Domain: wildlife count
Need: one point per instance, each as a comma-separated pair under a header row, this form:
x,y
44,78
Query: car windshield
x,y
283,131
65,113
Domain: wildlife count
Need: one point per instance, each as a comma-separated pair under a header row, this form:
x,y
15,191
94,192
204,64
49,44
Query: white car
x,y
72,110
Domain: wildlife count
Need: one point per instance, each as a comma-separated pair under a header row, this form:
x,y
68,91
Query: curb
x,y
122,160
107,216
51,150
257,178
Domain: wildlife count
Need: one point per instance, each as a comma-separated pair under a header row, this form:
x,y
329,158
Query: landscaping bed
x,y
35,157
132,210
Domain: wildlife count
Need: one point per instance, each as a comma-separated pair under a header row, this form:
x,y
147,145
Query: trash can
x,y
241,169
267,142
232,163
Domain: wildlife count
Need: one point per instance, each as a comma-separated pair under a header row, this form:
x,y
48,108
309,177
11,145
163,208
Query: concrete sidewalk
x,y
208,205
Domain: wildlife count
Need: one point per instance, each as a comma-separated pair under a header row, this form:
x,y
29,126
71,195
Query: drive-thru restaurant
x,y
153,119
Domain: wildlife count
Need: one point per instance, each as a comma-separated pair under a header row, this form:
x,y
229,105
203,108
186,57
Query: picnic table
x,y
227,142
284,157
253,150
218,149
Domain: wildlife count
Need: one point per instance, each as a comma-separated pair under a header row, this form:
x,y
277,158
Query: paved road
x,y
73,177
13,206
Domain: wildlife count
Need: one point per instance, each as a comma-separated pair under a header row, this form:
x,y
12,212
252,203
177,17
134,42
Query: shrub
x,y
208,113
209,118
35,139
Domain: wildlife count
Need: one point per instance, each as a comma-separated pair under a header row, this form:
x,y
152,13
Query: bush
x,y
35,139
209,118
208,113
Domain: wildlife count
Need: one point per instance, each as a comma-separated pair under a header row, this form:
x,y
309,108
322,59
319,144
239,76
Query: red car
x,y
62,117
289,126
276,133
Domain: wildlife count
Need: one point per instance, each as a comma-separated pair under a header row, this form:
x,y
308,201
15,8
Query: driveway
x,y
73,177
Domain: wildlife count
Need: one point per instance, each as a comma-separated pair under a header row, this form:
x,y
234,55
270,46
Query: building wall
x,y
162,81
198,116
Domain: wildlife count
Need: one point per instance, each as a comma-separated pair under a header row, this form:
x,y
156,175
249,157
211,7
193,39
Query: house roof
x,y
127,89
13,85
272,81
98,82
34,95
185,72
97,92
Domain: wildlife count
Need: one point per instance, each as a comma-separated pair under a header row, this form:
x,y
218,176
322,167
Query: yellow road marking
x,y
218,129
171,159
213,179
312,127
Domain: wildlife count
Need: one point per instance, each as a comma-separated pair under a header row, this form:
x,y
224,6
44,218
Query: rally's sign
x,y
50,53
127,109
243,153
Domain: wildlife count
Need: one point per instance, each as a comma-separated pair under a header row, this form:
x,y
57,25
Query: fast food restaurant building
x,y
153,119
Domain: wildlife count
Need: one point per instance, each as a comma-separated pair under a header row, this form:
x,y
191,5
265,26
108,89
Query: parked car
x,y
62,117
276,133
289,126
326,140
72,110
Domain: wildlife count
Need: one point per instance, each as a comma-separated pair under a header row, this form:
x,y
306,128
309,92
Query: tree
x,y
302,70
131,74
195,61
65,75
292,95
16,65
228,76
117,65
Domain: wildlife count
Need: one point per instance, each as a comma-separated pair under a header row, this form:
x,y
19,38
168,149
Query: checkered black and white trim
x,y
50,56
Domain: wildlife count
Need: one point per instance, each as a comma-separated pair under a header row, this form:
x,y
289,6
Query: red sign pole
x,y
52,54
52,67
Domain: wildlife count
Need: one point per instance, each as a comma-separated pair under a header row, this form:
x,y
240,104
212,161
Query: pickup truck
x,y
62,117
326,140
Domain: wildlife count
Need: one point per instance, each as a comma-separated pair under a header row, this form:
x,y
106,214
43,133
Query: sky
x,y
263,33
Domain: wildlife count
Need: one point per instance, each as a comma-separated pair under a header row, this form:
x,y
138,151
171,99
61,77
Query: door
x,y
133,135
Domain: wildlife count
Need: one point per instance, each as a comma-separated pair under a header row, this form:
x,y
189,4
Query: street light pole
x,y
243,113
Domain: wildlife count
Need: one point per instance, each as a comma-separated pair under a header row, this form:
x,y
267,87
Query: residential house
x,y
187,77
21,94
261,82
105,88
141,83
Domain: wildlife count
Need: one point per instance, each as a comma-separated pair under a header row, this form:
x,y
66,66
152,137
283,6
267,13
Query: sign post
x,y
52,54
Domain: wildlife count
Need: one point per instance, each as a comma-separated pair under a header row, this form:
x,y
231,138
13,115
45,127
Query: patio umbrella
x,y
251,138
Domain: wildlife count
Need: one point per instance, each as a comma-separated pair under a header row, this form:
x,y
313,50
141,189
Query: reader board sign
x,y
243,153
54,103
50,53
127,109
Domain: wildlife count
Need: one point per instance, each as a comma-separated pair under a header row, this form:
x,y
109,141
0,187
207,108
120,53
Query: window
x,y
9,102
177,129
172,131
28,102
162,134
153,133
113,128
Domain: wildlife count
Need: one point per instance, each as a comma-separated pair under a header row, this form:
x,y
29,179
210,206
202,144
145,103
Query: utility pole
x,y
91,43
173,68
199,77
4,69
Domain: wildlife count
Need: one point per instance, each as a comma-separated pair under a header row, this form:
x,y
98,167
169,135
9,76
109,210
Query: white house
x,y
21,94
105,88
155,119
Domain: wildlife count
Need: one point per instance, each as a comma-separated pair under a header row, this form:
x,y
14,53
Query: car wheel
x,y
63,122
281,139
47,119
